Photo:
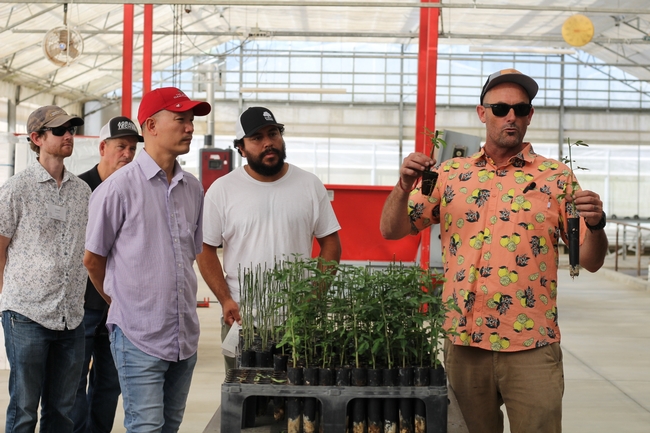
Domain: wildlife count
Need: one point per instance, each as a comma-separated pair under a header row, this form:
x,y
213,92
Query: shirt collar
x,y
43,176
527,155
151,169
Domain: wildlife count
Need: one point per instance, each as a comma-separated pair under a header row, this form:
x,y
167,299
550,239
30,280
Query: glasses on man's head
x,y
60,131
502,110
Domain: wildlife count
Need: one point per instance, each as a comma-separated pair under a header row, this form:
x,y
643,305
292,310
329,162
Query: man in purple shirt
x,y
143,235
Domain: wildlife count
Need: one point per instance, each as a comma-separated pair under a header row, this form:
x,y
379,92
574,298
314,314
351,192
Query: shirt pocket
x,y
186,234
532,212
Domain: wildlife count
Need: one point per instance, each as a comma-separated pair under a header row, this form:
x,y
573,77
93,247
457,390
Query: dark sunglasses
x,y
60,131
502,110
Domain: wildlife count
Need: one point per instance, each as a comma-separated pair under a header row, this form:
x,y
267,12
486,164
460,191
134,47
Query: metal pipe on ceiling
x,y
377,4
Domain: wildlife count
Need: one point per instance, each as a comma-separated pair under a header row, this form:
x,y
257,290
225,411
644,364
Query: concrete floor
x,y
604,319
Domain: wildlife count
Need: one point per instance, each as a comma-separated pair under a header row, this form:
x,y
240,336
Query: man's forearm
x,y
96,267
395,222
212,272
593,250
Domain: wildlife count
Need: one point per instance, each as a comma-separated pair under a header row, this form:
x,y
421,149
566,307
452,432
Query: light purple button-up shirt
x,y
150,232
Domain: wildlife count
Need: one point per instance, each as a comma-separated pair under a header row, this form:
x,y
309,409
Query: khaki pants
x,y
530,383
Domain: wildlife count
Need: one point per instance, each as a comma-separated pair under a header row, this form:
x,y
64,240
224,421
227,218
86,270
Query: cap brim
x,y
138,136
279,125
199,108
524,81
61,120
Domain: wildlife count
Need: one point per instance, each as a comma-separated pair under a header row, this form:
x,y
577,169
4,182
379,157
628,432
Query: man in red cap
x,y
143,235
43,215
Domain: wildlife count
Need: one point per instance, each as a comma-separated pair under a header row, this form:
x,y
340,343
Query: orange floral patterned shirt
x,y
500,228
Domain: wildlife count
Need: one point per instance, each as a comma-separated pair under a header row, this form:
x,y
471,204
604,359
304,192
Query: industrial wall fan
x,y
63,45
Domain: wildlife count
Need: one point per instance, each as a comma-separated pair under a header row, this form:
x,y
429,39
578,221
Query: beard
x,y
260,167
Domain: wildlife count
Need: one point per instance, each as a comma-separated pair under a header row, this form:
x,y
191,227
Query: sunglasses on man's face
x,y
60,131
502,110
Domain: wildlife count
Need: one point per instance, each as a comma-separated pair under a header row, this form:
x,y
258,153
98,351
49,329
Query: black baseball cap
x,y
120,126
511,76
252,120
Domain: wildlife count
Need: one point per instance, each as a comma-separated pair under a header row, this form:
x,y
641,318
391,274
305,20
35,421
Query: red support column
x,y
127,61
147,49
425,107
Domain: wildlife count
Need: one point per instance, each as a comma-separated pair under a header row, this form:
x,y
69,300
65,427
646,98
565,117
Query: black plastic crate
x,y
333,399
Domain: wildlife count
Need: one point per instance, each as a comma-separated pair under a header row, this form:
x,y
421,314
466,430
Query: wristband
x,y
402,186
601,224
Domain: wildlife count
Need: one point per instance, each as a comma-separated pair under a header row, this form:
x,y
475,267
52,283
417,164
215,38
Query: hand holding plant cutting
x,y
585,204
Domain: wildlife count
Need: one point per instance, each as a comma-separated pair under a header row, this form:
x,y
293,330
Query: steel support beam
x,y
425,106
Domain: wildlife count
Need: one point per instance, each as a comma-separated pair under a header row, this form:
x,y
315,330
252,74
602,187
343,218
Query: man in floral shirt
x,y
502,212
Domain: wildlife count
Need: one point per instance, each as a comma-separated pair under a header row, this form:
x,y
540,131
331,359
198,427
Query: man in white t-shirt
x,y
264,211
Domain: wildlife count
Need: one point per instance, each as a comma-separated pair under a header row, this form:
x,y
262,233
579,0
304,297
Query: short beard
x,y
268,170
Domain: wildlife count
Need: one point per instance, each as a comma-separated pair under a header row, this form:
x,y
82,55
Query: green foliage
x,y
573,182
348,315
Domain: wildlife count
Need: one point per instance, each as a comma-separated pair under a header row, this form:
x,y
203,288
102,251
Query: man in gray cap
x,y
99,391
43,216
502,211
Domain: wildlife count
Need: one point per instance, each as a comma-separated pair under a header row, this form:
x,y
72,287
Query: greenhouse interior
x,y
359,85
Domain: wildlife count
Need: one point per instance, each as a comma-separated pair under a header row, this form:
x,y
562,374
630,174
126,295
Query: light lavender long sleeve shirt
x,y
150,232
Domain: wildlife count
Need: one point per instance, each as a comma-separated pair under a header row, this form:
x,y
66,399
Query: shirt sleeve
x,y
9,211
105,218
212,217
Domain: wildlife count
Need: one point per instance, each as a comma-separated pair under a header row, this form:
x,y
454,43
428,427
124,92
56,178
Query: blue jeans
x,y
154,391
94,409
45,365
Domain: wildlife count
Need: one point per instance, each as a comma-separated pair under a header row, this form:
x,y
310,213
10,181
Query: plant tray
x,y
333,399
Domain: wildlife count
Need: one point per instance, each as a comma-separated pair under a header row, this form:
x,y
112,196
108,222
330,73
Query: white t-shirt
x,y
261,222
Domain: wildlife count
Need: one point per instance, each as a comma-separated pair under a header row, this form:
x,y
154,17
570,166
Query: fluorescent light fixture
x,y
529,50
319,90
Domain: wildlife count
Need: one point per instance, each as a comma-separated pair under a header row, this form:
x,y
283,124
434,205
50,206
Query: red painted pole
x,y
127,61
147,49
425,107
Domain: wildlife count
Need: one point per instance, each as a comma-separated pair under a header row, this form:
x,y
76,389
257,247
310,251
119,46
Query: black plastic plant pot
x,y
359,415
309,415
375,377
420,416
343,376
389,377
405,376
406,415
294,375
390,405
437,376
263,359
294,415
359,376
248,358
429,179
325,376
279,408
280,362
310,376
391,415
573,234
375,405
375,415
421,376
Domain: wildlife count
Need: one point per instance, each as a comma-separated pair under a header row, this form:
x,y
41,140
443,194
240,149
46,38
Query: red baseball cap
x,y
170,99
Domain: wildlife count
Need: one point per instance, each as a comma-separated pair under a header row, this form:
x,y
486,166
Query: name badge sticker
x,y
56,212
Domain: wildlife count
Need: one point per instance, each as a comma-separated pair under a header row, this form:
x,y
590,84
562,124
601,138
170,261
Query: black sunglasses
x,y
60,131
502,110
